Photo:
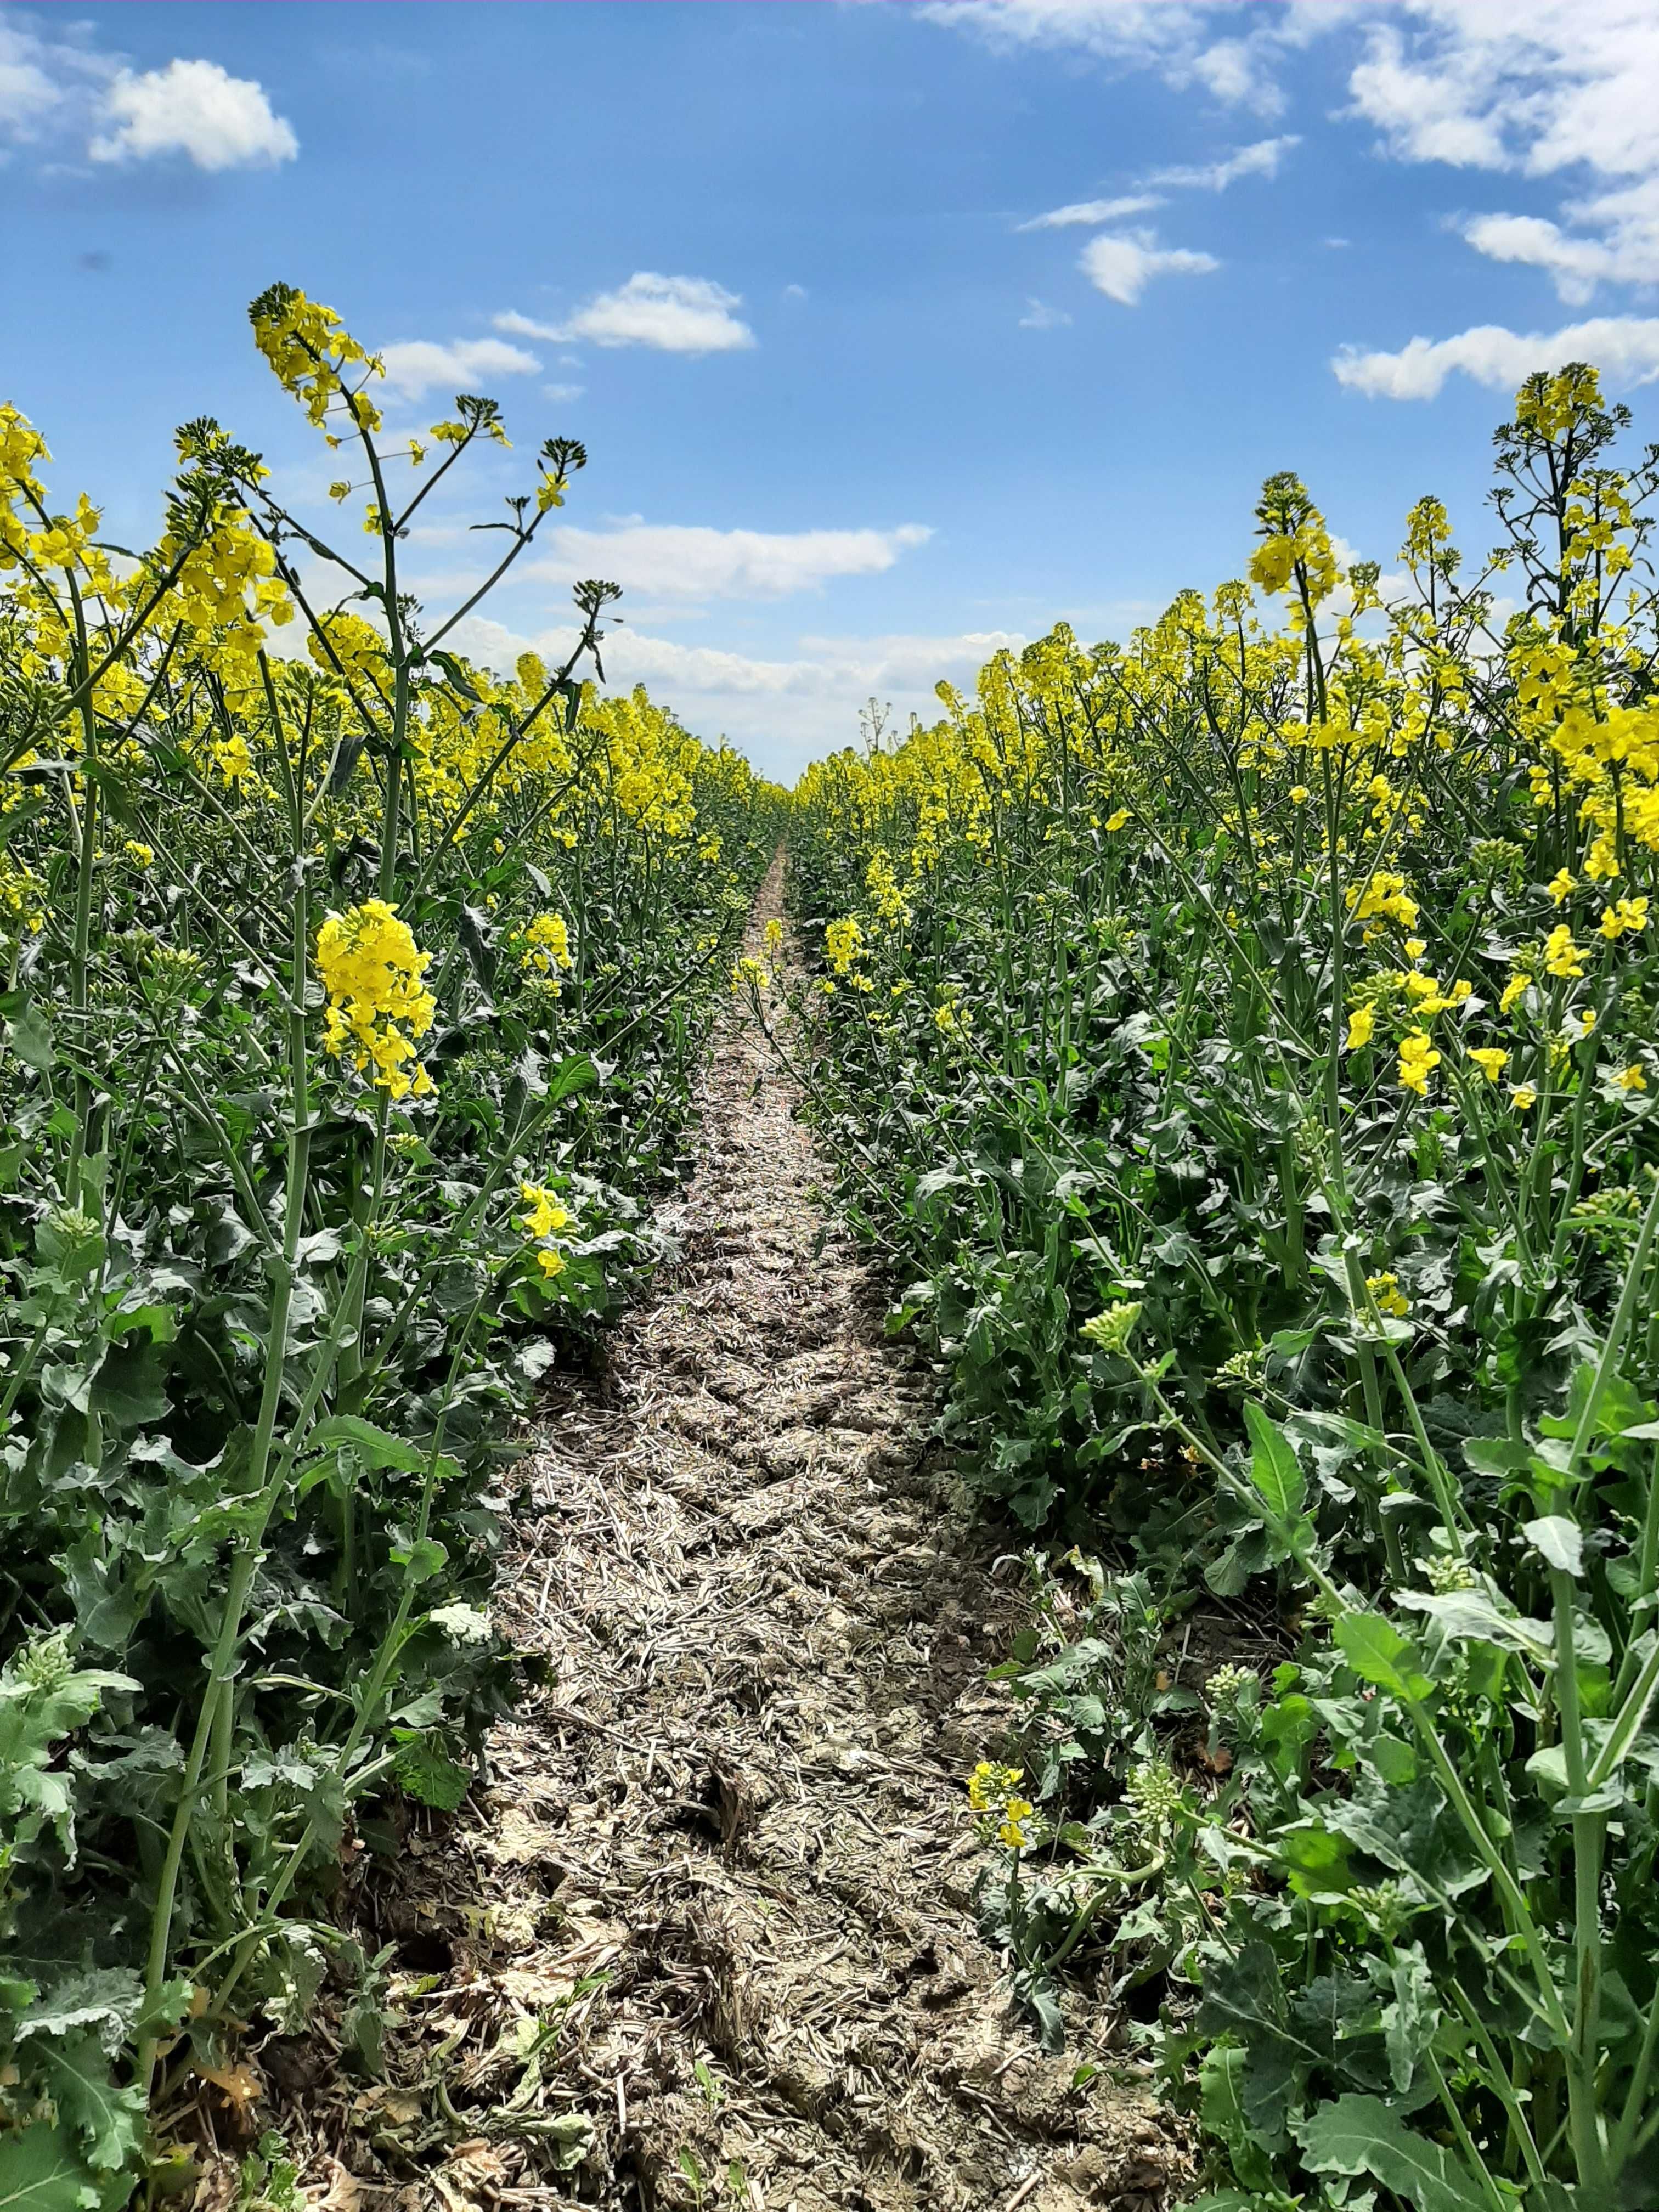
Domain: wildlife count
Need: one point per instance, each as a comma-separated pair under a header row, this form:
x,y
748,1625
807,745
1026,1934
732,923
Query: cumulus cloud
x,y
1625,347
415,366
1537,88
64,90
689,562
195,108
782,711
1122,267
1093,211
673,314
1535,85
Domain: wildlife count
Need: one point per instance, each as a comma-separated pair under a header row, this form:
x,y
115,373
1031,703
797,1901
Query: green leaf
x,y
105,1997
1469,1617
39,2172
1221,2108
110,2122
426,1775
1376,1651
1275,1467
375,1447
1558,1541
423,1559
574,1073
1362,2135
130,1389
30,1038
1409,2022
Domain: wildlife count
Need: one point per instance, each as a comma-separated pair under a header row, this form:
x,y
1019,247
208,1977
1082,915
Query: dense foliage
x,y
353,996
1245,1044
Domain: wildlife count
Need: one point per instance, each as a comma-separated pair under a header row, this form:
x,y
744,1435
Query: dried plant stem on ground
x,y
765,1620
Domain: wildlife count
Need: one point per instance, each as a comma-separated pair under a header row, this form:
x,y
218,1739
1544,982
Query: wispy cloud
x,y
1261,160
673,314
1625,347
1039,316
1189,46
1093,211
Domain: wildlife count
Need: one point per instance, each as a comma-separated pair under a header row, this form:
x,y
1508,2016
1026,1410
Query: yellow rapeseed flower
x,y
1418,1059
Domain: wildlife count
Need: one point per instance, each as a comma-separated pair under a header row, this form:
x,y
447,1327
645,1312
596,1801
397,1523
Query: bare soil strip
x,y
739,1797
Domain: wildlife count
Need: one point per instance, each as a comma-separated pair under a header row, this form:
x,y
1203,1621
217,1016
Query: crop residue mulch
x,y
709,1929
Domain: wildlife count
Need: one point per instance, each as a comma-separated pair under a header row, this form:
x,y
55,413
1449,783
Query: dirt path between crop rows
x,y
738,1798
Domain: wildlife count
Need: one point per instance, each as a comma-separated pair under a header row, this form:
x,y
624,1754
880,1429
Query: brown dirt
x,y
722,1870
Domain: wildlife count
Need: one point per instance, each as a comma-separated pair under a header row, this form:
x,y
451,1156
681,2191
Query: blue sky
x,y
895,332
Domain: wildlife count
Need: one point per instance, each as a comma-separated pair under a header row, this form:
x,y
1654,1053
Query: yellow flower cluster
x,y
843,942
377,1004
992,1793
546,943
310,353
547,1216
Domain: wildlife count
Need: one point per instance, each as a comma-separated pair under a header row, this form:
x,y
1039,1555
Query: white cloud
x,y
678,562
526,326
784,711
29,91
675,314
1121,267
418,365
1094,211
1626,252
1176,40
196,108
47,85
1261,160
1535,85
1039,316
562,391
1625,347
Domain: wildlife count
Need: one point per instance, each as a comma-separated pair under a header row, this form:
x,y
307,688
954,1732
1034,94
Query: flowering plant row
x,y
1245,1043
353,995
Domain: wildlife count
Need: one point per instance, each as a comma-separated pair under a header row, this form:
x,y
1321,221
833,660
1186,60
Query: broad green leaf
x,y
1274,1468
426,1775
374,1446
1410,2020
106,1997
1221,2108
1376,1651
109,2121
1469,1616
130,1387
1362,2135
30,1037
420,1560
1558,1541
39,2172
573,1073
